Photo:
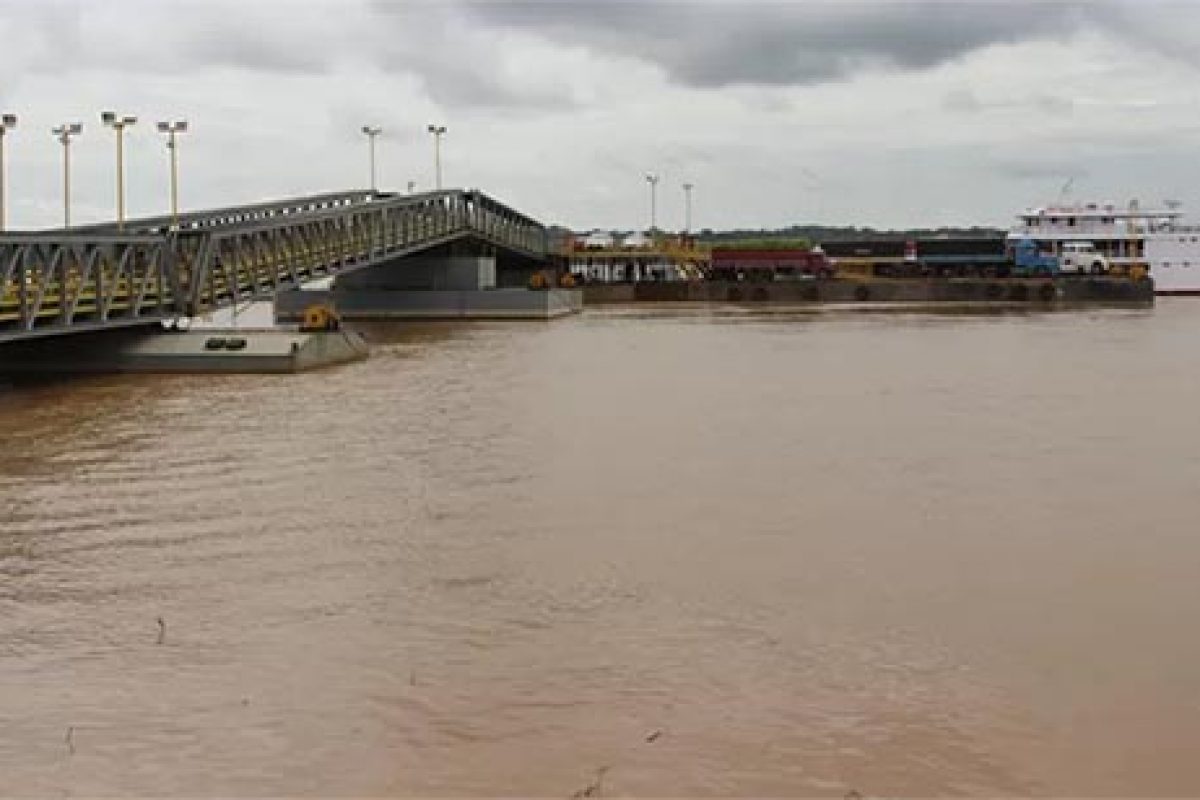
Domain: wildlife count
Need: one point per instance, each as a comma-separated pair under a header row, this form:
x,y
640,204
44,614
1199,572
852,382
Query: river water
x,y
659,552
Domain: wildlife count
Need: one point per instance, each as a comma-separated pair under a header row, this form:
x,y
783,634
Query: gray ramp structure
x,y
99,277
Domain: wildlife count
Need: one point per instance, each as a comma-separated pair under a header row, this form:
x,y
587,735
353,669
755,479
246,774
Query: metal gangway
x,y
104,276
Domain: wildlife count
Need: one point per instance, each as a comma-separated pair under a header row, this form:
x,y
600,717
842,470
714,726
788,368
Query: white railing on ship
x,y
1102,231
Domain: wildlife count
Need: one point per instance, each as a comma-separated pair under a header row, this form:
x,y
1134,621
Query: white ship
x,y
1152,238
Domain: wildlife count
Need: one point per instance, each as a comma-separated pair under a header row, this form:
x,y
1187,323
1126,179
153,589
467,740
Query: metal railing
x,y
90,278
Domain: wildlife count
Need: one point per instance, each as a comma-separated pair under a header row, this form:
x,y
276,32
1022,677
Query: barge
x,y
982,270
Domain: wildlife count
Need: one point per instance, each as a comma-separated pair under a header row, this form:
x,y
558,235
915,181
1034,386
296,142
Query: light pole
x,y
371,134
7,123
170,128
64,133
687,207
119,124
652,179
437,131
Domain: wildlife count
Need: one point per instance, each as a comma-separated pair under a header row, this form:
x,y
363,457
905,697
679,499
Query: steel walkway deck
x,y
98,276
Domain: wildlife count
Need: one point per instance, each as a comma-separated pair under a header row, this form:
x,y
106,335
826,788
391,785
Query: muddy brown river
x,y
651,551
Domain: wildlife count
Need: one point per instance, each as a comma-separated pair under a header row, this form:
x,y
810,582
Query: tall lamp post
x,y
170,128
687,207
7,123
119,124
438,131
64,133
652,179
371,133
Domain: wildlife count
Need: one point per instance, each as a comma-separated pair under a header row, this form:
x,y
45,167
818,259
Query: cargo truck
x,y
987,257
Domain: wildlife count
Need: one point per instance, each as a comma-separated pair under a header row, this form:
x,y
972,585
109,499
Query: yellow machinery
x,y
667,252
319,318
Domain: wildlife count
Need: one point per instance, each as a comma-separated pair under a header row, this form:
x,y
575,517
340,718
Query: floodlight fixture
x,y
653,179
371,132
687,205
67,130
118,122
7,123
170,128
438,131
113,120
64,133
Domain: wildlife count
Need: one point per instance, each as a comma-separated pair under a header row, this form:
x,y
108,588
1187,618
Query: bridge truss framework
x,y
97,277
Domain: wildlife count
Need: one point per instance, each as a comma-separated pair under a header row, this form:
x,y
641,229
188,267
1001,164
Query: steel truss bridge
x,y
98,277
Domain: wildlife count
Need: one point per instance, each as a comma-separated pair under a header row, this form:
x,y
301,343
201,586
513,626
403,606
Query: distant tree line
x,y
798,235
801,236
763,243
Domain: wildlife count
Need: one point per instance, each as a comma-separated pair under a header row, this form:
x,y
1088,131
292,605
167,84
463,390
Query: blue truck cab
x,y
1028,260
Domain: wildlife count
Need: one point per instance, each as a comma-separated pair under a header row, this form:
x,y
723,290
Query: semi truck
x,y
1077,257
960,258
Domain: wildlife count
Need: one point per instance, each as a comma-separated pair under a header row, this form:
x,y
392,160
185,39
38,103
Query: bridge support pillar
x,y
447,285
428,273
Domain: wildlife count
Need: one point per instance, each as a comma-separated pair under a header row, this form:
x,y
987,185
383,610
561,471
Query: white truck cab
x,y
1082,257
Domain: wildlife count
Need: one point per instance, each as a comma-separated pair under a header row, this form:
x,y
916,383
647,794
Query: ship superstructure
x,y
1156,239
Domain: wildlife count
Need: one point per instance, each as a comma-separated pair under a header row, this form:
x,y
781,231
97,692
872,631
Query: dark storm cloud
x,y
719,44
1167,27
454,47
469,53
459,61
461,86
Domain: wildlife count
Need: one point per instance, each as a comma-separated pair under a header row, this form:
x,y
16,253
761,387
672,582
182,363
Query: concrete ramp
x,y
204,351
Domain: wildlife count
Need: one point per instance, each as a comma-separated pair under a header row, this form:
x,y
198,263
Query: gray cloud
x,y
1170,28
1053,104
963,101
44,38
455,84
966,101
459,62
1042,169
62,35
456,49
226,43
774,43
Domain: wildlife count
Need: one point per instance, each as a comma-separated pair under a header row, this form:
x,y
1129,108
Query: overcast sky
x,y
898,113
